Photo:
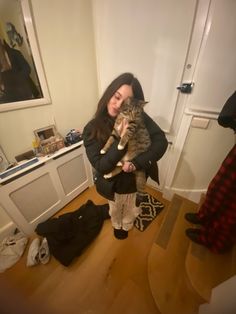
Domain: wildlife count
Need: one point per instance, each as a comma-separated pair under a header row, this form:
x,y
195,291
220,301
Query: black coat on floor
x,y
70,233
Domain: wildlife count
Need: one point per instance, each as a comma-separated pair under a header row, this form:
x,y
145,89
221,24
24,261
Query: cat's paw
x,y
107,176
102,151
119,164
120,147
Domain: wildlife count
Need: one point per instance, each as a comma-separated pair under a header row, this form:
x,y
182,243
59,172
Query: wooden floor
x,y
166,262
109,277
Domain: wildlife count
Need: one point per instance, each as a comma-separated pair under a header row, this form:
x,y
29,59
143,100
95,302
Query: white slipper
x,y
44,255
33,253
11,249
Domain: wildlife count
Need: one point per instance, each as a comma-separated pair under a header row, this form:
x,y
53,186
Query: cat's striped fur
x,y
136,138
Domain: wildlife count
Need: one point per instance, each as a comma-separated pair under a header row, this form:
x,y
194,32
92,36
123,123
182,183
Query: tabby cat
x,y
136,137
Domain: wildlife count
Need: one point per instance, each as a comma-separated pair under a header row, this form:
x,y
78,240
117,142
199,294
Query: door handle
x,y
185,88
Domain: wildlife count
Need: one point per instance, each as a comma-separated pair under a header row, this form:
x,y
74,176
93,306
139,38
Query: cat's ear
x,y
143,103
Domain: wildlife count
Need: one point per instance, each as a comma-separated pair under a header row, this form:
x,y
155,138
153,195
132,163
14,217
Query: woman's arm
x,y
158,146
102,163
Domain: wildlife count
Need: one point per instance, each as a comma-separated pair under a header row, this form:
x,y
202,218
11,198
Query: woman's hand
x,y
128,166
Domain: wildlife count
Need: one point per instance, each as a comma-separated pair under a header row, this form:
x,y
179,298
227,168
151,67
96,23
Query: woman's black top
x,y
123,183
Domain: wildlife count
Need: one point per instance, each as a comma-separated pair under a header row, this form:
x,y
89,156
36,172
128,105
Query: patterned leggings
x,y
123,211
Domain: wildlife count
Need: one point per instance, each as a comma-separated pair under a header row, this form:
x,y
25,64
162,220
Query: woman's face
x,y
116,100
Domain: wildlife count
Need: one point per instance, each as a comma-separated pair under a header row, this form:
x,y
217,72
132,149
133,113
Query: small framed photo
x,y
49,139
45,133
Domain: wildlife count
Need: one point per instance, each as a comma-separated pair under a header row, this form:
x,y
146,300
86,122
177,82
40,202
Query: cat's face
x,y
132,108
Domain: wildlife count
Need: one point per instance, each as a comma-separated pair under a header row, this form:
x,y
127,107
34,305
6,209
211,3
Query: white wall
x,y
65,35
149,39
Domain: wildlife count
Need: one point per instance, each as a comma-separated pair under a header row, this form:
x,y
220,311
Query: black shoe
x,y
193,218
120,234
194,235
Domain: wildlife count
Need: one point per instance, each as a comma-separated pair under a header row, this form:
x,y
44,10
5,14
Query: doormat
x,y
150,208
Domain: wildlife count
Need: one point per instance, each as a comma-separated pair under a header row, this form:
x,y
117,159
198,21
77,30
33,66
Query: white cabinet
x,y
35,193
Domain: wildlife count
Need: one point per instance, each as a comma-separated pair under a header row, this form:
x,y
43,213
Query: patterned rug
x,y
151,207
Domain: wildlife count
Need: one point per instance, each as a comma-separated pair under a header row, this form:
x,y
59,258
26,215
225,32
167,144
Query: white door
x,y
214,73
210,66
161,41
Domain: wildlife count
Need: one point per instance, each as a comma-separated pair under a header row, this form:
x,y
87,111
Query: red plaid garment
x,y
218,212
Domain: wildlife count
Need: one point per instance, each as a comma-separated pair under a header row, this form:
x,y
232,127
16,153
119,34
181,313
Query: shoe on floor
x,y
194,235
44,255
33,253
193,218
120,234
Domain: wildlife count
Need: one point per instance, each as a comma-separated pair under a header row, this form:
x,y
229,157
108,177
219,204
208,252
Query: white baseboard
x,y
7,230
192,195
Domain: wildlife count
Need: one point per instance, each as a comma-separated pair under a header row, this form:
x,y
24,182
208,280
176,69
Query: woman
x,y
121,189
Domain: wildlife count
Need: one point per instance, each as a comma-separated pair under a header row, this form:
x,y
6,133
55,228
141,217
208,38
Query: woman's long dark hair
x,y
103,123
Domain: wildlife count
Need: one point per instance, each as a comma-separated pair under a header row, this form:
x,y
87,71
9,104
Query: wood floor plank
x,y
109,276
166,265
